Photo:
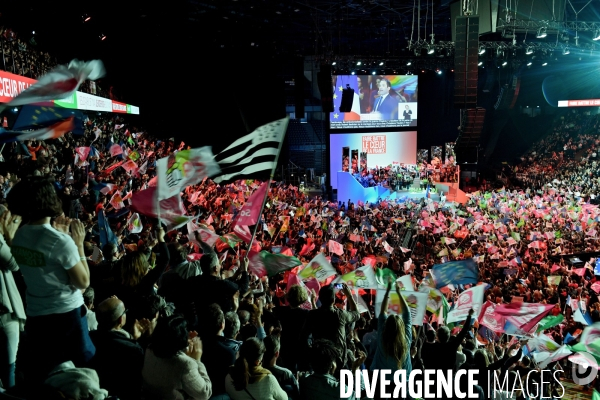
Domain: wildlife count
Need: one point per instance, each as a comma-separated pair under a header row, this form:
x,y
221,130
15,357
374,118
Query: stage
x,y
350,188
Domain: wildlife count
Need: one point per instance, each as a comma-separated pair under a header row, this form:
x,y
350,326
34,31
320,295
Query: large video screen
x,y
352,152
379,101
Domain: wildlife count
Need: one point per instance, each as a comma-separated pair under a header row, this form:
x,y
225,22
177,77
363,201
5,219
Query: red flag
x,y
250,212
83,152
579,271
172,210
130,166
307,248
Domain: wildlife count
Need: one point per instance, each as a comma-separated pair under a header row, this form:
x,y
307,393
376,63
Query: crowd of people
x,y
164,315
23,57
100,298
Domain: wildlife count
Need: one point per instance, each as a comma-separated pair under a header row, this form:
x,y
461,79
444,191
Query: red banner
x,y
119,107
11,85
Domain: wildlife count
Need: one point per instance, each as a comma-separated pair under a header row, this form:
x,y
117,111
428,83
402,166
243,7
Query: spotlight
x,y
481,49
544,64
333,63
102,36
381,63
596,35
358,63
504,63
529,64
353,73
373,73
566,51
33,32
529,50
438,71
430,49
480,63
409,63
541,33
85,17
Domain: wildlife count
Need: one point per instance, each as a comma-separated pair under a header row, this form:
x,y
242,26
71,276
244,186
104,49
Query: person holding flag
x,y
394,336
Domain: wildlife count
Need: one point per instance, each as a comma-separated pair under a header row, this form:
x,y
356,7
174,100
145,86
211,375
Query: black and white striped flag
x,y
254,155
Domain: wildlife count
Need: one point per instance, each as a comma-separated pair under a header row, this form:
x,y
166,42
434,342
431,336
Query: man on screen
x,y
386,104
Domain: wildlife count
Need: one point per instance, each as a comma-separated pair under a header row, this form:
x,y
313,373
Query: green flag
x,y
596,395
521,223
382,276
549,322
269,264
516,236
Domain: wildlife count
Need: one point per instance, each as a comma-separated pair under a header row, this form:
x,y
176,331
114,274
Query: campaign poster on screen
x,y
379,101
373,149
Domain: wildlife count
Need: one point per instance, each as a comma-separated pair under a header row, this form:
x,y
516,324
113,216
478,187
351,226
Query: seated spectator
x,y
247,380
119,358
88,302
284,376
218,355
232,328
172,367
322,384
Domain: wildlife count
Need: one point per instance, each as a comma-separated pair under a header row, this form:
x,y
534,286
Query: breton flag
x,y
253,154
60,83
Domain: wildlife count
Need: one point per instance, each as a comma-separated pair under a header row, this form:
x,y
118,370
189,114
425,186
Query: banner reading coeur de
x,y
12,85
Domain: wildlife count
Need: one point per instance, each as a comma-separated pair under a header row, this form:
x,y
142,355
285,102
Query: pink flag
x,y
115,150
579,271
387,247
209,237
242,231
523,315
129,166
172,211
488,317
596,287
83,152
336,247
555,268
116,201
307,248
250,212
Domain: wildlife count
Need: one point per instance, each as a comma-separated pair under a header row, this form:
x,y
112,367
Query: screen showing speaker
x,y
353,152
377,101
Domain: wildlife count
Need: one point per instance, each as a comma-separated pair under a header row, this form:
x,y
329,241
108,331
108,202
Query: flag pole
x,y
262,207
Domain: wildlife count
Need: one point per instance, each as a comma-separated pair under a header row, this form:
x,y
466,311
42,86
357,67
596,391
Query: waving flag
x,y
269,264
206,235
363,278
184,168
134,224
250,212
387,247
382,275
130,166
116,201
106,234
172,211
467,300
554,280
58,129
488,318
550,321
455,272
335,247
115,150
416,301
253,154
60,83
524,315
319,268
82,152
